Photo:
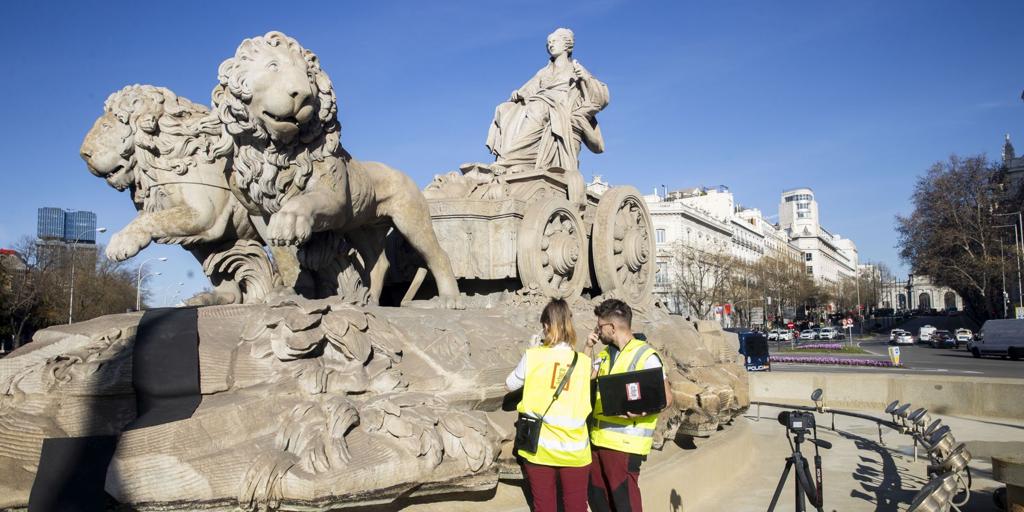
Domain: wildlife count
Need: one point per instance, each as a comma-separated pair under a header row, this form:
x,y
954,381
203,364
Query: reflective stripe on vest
x,y
564,439
631,435
624,429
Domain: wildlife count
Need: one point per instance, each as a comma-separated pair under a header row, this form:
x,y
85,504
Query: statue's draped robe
x,y
557,113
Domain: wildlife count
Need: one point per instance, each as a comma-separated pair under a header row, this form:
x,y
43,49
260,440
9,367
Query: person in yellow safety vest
x,y
620,444
563,452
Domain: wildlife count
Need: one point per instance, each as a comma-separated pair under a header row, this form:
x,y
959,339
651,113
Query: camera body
x,y
798,422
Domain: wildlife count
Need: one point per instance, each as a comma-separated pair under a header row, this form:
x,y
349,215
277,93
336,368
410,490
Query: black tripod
x,y
803,484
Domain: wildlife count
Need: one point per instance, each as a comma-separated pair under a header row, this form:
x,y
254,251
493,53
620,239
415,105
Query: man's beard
x,y
607,340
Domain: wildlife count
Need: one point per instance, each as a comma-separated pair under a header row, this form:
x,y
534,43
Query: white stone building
x,y
676,224
921,293
828,257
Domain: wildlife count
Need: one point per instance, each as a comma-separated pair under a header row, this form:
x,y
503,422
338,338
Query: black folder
x,y
638,392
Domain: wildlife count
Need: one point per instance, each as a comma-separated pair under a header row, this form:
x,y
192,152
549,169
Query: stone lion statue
x,y
278,107
163,149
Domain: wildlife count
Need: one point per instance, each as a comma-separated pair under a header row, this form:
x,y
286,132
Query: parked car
x,y
780,335
943,339
895,333
904,338
925,333
828,333
964,336
1003,338
809,334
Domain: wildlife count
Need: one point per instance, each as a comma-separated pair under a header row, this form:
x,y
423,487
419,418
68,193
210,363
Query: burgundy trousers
x,y
543,482
614,481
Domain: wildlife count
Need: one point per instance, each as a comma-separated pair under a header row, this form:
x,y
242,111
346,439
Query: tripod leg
x,y
782,482
798,490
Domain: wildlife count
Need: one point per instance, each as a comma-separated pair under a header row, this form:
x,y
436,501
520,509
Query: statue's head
x,y
274,89
143,122
561,41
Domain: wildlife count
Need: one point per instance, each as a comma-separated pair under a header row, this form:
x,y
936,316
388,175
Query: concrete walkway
x,y
737,469
858,472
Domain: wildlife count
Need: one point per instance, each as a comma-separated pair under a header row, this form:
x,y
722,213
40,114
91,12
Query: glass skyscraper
x,y
68,226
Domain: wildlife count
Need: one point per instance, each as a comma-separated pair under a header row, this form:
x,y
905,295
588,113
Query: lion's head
x,y
279,107
146,129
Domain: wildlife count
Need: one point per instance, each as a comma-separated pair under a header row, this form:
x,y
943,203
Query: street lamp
x,y
138,283
1016,246
71,297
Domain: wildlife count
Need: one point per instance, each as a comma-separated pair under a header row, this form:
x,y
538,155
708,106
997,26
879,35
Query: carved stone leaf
x,y
289,345
304,342
454,426
390,407
372,419
431,446
335,325
398,427
273,317
297,320
355,345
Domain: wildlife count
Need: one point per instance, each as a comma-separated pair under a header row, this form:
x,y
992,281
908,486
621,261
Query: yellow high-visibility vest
x,y
630,435
564,440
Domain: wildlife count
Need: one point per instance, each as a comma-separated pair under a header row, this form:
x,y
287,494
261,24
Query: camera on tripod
x,y
807,485
798,422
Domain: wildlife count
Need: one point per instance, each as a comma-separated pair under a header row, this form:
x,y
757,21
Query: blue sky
x,y
853,99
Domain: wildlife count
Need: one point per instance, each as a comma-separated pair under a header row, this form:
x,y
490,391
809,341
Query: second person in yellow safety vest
x,y
620,444
563,452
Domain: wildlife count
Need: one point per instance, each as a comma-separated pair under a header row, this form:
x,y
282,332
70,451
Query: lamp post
x,y
138,283
1016,246
71,297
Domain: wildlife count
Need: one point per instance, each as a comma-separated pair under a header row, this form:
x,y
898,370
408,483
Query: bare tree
x,y
34,287
952,234
699,278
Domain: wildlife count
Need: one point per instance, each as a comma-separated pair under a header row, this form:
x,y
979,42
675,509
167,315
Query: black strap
x,y
561,385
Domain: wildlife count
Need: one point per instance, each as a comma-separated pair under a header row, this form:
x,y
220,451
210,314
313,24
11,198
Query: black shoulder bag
x,y
528,427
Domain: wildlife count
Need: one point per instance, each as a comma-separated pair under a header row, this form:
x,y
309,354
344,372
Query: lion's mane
x,y
266,171
168,134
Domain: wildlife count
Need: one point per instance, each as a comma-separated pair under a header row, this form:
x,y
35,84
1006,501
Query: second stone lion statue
x,y
278,107
162,148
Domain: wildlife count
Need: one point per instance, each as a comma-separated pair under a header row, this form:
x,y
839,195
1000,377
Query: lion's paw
x,y
452,302
289,227
126,243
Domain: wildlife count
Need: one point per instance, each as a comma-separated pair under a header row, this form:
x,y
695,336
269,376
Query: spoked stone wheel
x,y
623,245
552,251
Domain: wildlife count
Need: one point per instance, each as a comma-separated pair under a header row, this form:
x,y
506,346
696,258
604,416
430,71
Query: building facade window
x,y
662,276
810,270
659,236
808,256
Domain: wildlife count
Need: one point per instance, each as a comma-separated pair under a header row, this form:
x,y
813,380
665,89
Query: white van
x,y
999,338
925,334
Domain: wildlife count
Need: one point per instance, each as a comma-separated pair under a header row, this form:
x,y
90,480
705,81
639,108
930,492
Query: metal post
x,y
138,283
71,297
1003,268
1020,291
1016,243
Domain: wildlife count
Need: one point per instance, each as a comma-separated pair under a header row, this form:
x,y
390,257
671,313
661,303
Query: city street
x,y
920,359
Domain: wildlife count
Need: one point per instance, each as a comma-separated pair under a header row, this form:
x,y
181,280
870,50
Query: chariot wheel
x,y
623,245
552,249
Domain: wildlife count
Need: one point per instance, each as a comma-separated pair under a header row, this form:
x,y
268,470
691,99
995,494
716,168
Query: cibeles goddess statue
x,y
543,122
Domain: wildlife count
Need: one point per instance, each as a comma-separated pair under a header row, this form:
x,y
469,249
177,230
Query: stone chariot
x,y
545,230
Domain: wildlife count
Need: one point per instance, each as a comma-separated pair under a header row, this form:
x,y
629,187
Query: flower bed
x,y
842,361
820,346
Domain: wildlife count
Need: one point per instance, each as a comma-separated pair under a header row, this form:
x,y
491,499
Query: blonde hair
x,y
557,321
